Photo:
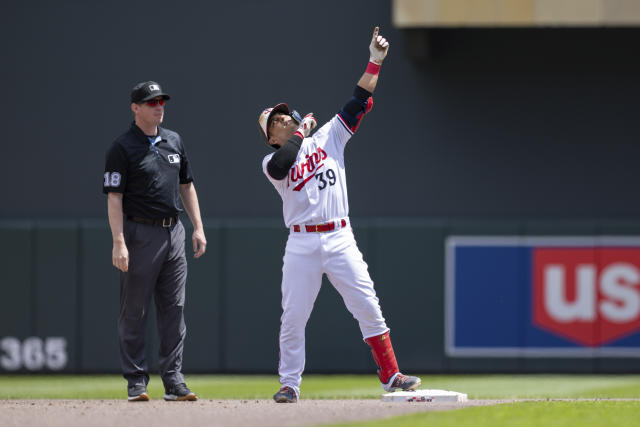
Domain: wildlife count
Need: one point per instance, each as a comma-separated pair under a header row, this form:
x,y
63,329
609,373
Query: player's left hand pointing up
x,y
378,48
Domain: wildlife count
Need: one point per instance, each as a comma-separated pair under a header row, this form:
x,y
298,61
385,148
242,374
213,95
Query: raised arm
x,y
378,51
362,102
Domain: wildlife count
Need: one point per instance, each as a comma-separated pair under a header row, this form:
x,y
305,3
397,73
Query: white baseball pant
x,y
307,257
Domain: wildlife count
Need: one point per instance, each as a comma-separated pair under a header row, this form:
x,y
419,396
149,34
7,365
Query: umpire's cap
x,y
265,116
147,90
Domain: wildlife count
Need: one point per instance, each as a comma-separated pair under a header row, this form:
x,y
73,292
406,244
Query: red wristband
x,y
373,68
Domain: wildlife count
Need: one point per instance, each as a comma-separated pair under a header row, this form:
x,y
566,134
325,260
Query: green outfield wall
x,y
60,298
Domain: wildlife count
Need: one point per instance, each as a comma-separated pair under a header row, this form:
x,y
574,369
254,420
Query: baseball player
x,y
309,174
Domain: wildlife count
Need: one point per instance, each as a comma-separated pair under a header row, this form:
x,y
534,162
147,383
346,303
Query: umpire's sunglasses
x,y
154,102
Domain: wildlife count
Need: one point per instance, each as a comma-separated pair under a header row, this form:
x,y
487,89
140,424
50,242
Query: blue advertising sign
x,y
542,296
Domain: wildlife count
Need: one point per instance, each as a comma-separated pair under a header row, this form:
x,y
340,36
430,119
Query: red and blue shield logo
x,y
543,296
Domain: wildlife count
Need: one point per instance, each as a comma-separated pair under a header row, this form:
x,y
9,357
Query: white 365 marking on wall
x,y
112,179
33,354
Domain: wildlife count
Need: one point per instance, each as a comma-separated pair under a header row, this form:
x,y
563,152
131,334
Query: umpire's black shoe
x,y
137,393
285,395
179,392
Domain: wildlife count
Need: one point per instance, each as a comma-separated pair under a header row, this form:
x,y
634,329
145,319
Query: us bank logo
x,y
542,296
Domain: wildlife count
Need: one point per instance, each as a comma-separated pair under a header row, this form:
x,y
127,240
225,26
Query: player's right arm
x,y
362,102
120,253
283,159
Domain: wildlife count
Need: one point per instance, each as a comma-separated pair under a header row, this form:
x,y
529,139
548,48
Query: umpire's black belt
x,y
162,222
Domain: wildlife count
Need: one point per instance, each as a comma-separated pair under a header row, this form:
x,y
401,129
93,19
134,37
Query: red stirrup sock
x,y
383,354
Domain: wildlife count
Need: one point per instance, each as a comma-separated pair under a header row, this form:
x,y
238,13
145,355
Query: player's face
x,y
281,128
151,112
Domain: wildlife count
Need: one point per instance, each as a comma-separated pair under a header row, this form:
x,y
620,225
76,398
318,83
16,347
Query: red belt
x,y
320,228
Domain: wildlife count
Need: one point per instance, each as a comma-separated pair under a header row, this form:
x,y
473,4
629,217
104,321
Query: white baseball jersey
x,y
315,190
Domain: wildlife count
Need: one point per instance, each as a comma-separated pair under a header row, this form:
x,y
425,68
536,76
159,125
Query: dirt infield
x,y
157,413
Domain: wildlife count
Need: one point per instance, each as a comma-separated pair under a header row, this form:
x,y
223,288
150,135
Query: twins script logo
x,y
588,295
310,165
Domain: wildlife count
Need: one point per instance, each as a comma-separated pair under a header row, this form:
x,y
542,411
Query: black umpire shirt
x,y
148,176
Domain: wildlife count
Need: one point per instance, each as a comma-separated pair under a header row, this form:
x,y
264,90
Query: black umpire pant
x,y
158,267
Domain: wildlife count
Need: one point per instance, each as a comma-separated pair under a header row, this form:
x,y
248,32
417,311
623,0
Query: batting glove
x,y
307,124
378,48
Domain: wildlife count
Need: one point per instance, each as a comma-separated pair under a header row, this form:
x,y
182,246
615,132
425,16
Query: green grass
x,y
327,386
523,414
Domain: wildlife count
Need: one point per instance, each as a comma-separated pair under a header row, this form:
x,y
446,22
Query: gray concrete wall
x,y
474,124
508,122
59,284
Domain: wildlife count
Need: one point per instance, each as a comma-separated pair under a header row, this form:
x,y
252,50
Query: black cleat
x,y
180,393
137,393
285,395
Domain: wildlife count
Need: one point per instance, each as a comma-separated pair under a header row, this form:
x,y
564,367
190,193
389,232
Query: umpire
x,y
146,170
